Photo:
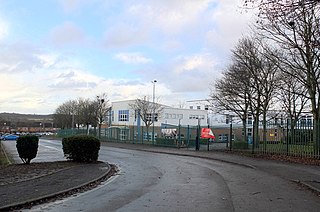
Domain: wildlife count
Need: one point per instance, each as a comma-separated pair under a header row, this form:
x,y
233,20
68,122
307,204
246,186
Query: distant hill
x,y
16,122
17,117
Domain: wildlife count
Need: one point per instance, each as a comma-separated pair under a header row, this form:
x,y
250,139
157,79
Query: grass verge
x,y
3,159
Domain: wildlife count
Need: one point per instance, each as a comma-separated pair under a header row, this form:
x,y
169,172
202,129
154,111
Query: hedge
x,y
81,148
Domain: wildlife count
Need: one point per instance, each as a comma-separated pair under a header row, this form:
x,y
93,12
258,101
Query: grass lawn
x,y
292,149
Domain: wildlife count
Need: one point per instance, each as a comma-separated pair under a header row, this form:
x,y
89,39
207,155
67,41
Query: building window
x,y
166,116
123,115
309,121
196,116
112,115
148,117
303,121
249,132
249,119
223,137
191,107
180,116
198,107
206,107
173,116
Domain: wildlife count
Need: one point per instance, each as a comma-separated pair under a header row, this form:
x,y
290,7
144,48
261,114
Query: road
x,y
159,182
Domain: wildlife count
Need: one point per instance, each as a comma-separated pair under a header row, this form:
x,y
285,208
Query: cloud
x,y
73,5
73,84
181,44
67,75
231,23
191,63
169,17
158,21
66,34
123,35
19,57
184,75
132,58
4,28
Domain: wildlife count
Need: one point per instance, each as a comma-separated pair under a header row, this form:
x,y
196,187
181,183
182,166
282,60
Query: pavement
x,y
13,195
60,182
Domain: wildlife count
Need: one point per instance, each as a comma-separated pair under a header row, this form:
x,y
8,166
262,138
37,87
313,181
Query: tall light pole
x,y
100,115
153,108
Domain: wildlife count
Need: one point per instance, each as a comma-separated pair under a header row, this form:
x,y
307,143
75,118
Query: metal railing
x,y
299,139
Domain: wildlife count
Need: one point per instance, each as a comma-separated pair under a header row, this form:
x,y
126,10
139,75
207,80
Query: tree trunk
x,y
264,135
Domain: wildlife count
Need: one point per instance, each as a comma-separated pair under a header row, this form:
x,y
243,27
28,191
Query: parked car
x,y
9,137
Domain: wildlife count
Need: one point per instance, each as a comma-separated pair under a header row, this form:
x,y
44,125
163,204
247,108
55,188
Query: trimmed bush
x,y
81,148
27,147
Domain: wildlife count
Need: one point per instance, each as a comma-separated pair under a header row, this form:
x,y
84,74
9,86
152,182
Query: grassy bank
x,y
3,159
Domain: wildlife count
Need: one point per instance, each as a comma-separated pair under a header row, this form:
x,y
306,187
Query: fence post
x,y
188,135
287,139
179,136
208,139
230,133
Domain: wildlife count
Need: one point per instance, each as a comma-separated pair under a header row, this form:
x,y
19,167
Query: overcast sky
x,y
55,50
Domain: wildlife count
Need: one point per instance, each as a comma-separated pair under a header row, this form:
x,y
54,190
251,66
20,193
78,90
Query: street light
x,y
100,115
153,109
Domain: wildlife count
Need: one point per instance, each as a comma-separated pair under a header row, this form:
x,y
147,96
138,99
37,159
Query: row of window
x,y
304,120
123,115
173,116
206,107
196,116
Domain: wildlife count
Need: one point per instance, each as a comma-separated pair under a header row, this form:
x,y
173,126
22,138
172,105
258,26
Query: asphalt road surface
x,y
159,182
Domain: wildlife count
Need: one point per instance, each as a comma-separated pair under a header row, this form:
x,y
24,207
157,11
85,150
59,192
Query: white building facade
x,y
122,114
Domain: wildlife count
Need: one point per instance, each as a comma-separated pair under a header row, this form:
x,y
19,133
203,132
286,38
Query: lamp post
x,y
153,108
100,105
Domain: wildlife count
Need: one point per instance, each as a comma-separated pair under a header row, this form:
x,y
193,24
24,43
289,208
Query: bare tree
x,y
293,98
297,35
86,113
277,8
102,108
261,75
230,93
146,110
63,115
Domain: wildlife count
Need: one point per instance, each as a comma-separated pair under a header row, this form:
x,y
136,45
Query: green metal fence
x,y
180,137
299,139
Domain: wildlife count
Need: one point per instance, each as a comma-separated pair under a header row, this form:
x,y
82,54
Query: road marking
x,y
50,147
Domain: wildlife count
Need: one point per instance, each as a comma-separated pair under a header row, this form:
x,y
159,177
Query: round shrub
x,y
27,147
81,148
